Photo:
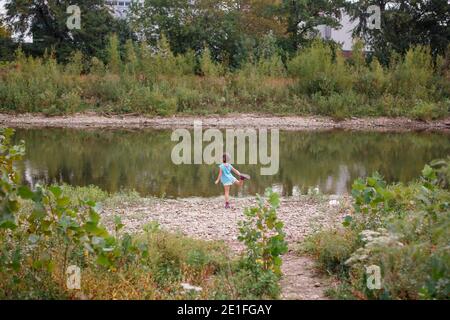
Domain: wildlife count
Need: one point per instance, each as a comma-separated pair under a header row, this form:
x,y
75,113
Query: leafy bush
x,y
428,110
317,72
144,100
402,229
332,249
271,66
207,66
262,233
340,106
372,81
113,50
187,99
150,79
412,76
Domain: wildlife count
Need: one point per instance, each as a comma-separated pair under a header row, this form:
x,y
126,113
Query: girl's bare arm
x,y
235,171
220,176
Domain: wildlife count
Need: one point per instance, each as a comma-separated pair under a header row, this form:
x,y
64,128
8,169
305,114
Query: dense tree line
x,y
404,23
231,29
46,23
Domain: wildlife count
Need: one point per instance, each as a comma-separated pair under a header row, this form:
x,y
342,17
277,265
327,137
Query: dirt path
x,y
301,281
244,121
207,219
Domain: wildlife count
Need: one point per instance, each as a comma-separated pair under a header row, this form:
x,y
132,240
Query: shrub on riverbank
x,y
153,81
46,230
402,229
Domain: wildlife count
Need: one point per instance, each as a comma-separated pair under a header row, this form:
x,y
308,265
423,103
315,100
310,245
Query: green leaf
x,y
94,216
347,221
16,259
50,265
93,229
428,172
25,193
56,190
90,203
118,223
279,225
277,261
103,260
63,202
371,181
8,224
37,264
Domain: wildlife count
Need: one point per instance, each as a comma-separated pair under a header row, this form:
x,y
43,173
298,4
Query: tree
x,y
404,24
113,50
207,66
303,17
4,33
7,45
230,28
260,17
45,21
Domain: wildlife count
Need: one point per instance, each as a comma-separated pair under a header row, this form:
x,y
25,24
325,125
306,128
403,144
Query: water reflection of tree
x,y
141,160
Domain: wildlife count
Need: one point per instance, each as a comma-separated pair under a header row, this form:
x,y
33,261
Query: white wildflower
x,y
190,287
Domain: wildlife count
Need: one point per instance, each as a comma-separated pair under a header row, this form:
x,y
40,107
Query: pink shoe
x,y
244,176
227,205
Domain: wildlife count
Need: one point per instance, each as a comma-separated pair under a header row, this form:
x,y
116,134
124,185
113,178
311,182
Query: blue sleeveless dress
x,y
227,178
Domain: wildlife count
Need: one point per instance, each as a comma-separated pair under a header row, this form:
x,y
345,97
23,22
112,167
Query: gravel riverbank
x,y
207,219
296,123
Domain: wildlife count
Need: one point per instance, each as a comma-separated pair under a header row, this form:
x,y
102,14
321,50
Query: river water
x,y
141,160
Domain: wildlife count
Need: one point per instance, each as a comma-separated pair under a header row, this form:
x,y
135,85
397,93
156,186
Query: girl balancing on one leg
x,y
227,178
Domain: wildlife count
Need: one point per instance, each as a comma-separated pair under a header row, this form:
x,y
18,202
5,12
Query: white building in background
x,y
120,7
342,35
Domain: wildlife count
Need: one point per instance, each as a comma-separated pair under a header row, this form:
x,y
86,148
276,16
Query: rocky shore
x,y
207,219
295,123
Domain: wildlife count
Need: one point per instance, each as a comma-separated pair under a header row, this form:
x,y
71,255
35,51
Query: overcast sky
x,y
2,3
